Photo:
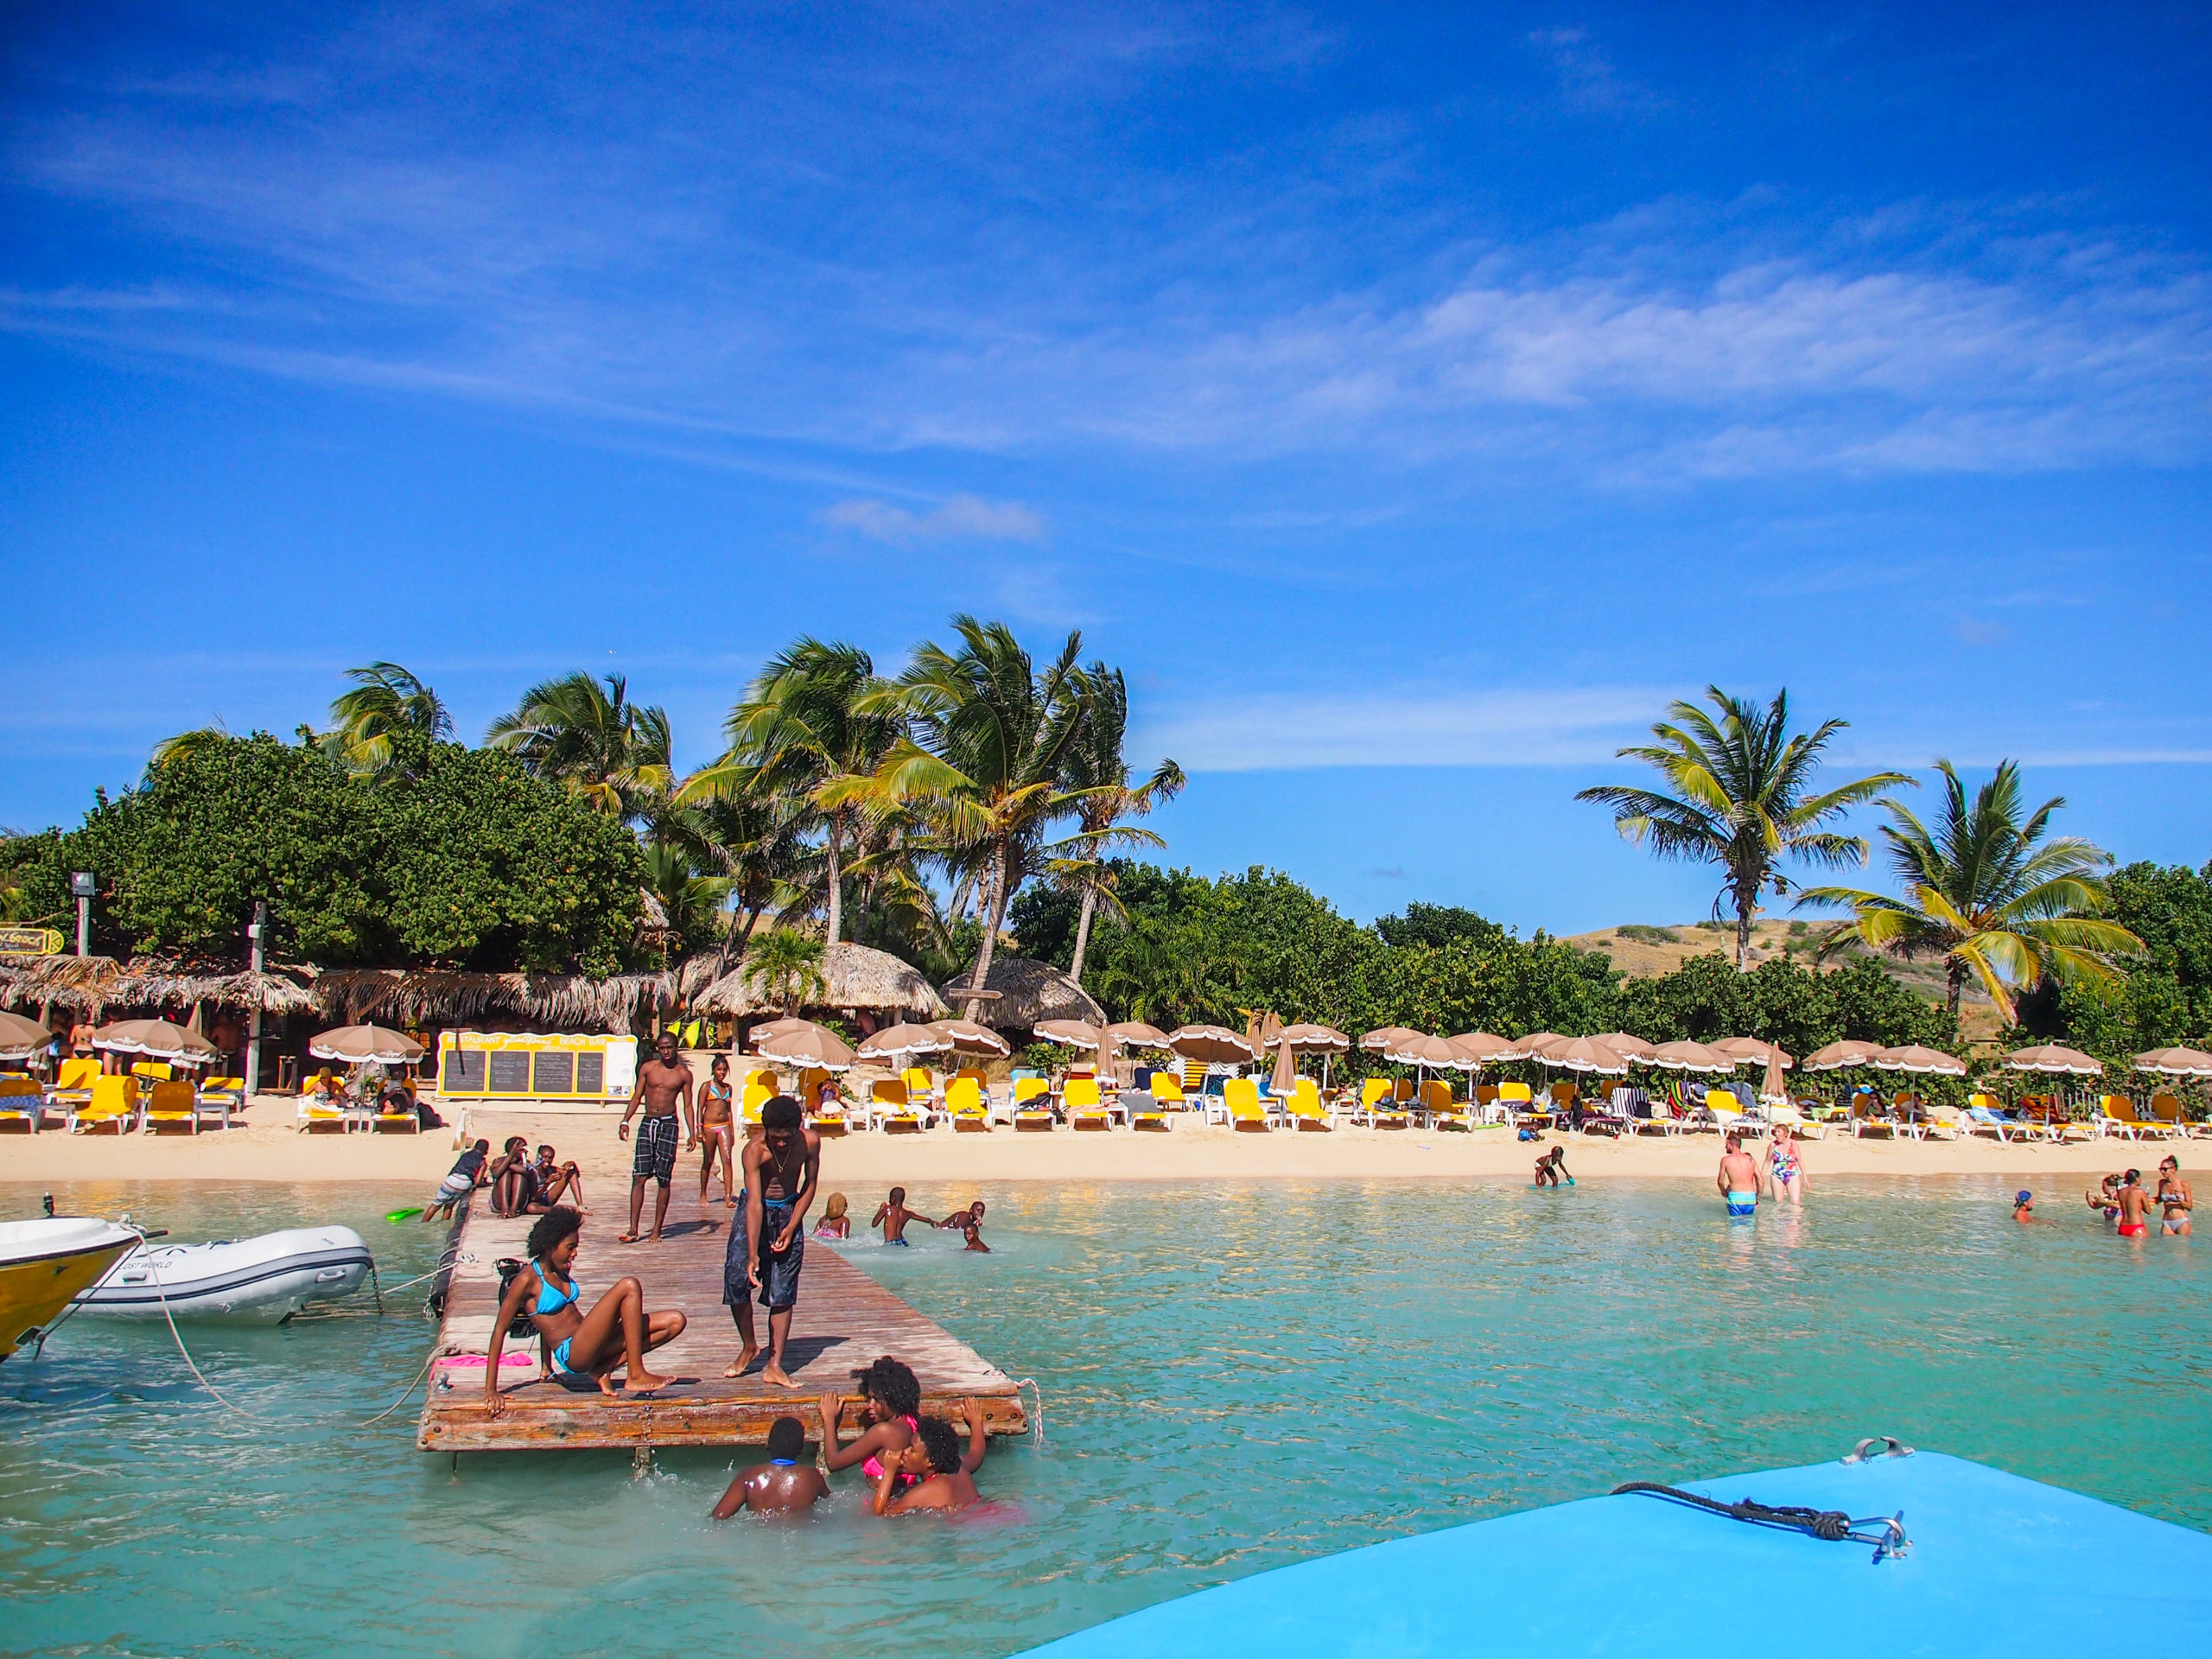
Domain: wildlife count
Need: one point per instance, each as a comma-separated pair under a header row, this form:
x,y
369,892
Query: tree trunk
x,y
836,875
1957,975
1745,907
996,875
1082,931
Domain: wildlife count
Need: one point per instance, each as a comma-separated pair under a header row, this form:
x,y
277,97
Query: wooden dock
x,y
845,1319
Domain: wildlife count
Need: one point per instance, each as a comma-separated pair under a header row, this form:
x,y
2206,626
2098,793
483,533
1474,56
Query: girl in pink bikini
x,y
891,1399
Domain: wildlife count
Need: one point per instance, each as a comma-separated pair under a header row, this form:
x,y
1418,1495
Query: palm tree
x,y
801,730
1987,892
610,751
386,701
185,746
755,839
1098,769
694,904
995,733
1742,798
787,967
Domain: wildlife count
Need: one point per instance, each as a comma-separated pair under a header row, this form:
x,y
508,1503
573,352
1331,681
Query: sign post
x,y
83,884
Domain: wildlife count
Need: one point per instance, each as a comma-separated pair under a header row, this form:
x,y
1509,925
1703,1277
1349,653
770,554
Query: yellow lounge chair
x,y
757,1095
1373,1095
21,1102
218,1097
319,1115
1516,1100
1167,1091
405,1120
2116,1114
1306,1113
171,1109
894,1112
113,1109
1033,1105
964,1103
1079,1097
2167,1109
921,1086
1564,1094
1241,1096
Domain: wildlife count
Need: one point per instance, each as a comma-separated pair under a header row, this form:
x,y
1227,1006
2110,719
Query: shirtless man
x,y
782,1483
892,1215
781,1169
2175,1198
1738,1179
2134,1206
944,1477
664,1085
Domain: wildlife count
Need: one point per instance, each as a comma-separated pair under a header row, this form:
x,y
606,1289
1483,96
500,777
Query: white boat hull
x,y
267,1278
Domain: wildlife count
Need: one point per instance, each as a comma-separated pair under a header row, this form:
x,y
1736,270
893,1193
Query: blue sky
x,y
1411,401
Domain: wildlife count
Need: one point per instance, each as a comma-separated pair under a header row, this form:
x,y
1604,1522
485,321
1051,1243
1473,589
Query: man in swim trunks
x,y
467,1175
663,1085
782,1483
1738,1179
781,1169
2134,1206
2175,1198
892,1215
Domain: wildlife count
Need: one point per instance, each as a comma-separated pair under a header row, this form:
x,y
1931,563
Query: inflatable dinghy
x,y
272,1277
1895,1552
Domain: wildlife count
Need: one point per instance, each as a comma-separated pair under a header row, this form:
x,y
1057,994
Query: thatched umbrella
x,y
365,1044
2175,1062
969,1038
1215,1044
1029,992
446,996
854,978
21,1039
896,1043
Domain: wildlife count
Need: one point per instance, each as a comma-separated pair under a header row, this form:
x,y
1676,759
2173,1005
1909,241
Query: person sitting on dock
x,y
892,1215
939,1475
891,1399
781,1484
557,1181
663,1088
466,1176
781,1169
513,1186
617,1334
835,1225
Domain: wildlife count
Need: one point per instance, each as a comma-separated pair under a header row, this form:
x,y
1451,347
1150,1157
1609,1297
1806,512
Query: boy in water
x,y
969,1222
2024,1208
1738,1178
466,1176
946,1475
1551,1167
780,1484
892,1215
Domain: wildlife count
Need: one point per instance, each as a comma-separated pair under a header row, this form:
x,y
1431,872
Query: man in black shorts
x,y
781,1169
664,1085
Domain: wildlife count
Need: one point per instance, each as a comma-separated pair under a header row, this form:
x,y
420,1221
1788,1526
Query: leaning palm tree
x,y
787,967
386,702
185,745
993,732
1098,769
1742,798
1988,894
609,750
801,730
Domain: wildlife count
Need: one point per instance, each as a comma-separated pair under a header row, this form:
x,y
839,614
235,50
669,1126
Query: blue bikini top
x,y
550,1301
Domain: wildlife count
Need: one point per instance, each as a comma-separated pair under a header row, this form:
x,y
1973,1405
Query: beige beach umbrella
x,y
1486,1048
1836,1056
1307,1039
1754,1051
2055,1057
157,1040
1284,1077
969,1038
815,1046
1919,1060
1422,1050
1634,1050
1587,1054
1134,1033
1376,1041
1537,1042
1771,1086
895,1042
1686,1056
1076,1034
366,1044
20,1038
1215,1044
2175,1062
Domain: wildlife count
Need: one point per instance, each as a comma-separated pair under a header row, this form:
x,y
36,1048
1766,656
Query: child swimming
x,y
782,1483
892,1215
835,1224
936,1473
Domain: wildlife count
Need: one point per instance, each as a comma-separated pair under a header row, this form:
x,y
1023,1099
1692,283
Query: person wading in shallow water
x,y
664,1085
781,1170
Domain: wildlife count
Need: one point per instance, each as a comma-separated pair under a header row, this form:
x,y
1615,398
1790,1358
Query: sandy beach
x,y
268,1148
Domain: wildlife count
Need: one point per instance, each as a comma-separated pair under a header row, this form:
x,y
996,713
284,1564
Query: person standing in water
x,y
1785,1169
2134,1206
1738,1178
781,1484
1551,1167
890,1402
2175,1198
715,1128
933,1471
892,1215
663,1086
781,1170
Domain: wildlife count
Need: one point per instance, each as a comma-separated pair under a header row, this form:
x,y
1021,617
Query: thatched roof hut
x,y
96,983
449,996
860,980
1028,991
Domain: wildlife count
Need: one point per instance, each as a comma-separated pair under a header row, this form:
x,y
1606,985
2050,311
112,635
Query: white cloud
x,y
957,519
1404,729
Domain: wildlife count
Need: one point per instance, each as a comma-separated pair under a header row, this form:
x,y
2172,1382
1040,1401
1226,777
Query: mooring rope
x,y
1832,1526
1036,1418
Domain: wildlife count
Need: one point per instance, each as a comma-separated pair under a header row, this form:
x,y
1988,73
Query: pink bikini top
x,y
874,1467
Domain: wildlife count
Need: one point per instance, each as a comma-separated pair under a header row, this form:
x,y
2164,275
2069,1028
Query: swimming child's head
x,y
898,1195
786,1440
938,1444
833,1207
891,1388
2024,1200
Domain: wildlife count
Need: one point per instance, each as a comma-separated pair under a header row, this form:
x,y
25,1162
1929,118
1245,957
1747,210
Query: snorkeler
x,y
936,1473
1551,1167
2175,1198
1738,1178
891,1400
892,1215
616,1333
783,1483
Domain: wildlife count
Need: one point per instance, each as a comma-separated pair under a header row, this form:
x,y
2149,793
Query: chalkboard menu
x,y
553,1072
510,1073
461,1070
591,1071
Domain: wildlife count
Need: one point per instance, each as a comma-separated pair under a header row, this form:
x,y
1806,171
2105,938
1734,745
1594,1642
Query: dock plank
x,y
844,1321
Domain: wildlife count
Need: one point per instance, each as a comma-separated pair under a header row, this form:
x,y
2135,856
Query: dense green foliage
x,y
455,857
1189,949
2166,998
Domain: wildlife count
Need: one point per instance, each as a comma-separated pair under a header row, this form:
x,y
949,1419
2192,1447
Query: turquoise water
x,y
1235,1377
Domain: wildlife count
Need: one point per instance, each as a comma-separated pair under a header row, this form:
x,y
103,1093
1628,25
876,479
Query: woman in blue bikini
x,y
617,1333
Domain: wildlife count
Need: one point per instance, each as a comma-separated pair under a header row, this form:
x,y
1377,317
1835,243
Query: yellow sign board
x,y
536,1065
30,941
